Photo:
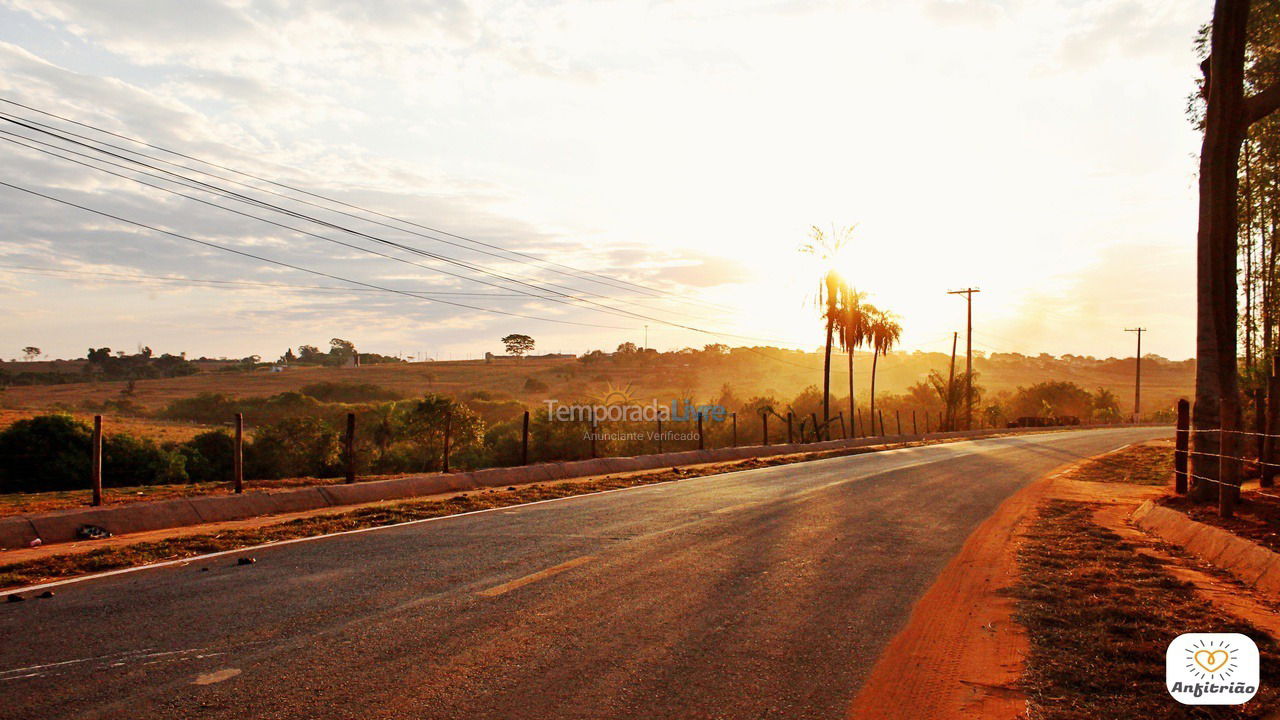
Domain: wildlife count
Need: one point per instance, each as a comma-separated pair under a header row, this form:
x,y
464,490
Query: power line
x,y
195,282
601,279
607,309
291,266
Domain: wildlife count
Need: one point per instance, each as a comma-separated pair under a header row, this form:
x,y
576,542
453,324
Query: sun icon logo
x,y
614,395
1211,659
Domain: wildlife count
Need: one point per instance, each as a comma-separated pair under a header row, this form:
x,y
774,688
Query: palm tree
x,y
828,249
885,332
854,332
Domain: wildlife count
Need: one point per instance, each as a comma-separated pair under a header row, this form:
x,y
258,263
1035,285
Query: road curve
x,y
756,594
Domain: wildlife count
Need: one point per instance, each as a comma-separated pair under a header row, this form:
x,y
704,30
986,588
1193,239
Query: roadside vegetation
x,y
1099,613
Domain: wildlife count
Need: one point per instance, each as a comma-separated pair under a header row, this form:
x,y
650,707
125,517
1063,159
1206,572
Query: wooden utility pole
x,y
951,384
968,354
1137,381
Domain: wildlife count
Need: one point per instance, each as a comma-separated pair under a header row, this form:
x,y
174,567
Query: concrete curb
x,y
1255,565
61,525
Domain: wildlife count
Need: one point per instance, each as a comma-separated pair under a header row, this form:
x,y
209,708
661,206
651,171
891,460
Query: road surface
x,y
764,593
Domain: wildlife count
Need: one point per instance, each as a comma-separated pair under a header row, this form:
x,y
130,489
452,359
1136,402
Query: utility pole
x,y
1137,382
951,382
968,353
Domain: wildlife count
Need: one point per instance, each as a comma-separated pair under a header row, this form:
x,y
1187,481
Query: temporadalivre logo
x,y
1212,668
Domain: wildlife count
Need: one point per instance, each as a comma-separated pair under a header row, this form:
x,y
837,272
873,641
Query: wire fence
x,y
1265,467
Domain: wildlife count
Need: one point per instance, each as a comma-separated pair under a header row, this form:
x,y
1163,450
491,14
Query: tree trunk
x,y
826,373
1217,404
851,413
875,359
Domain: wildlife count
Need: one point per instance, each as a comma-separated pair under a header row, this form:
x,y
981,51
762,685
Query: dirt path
x,y
961,653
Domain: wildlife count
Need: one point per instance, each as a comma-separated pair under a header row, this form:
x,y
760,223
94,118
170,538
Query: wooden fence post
x,y
659,435
1181,437
448,422
861,423
237,456
764,428
1267,477
816,434
844,431
898,415
1259,422
351,447
735,428
914,430
701,445
790,438
591,430
881,414
95,470
927,429
524,440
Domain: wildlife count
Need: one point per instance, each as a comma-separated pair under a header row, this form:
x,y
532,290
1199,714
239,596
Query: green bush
x,y
293,447
209,456
52,452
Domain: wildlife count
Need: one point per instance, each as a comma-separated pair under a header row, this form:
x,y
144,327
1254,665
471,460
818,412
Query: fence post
x,y
1181,437
351,447
790,437
591,430
659,435
1267,471
844,431
1259,422
95,471
914,430
524,440
898,415
861,423
881,414
764,425
237,456
448,423
735,428
816,434
927,429
940,424
701,445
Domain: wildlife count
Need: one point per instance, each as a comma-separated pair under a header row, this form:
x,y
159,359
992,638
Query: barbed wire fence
x,y
1231,465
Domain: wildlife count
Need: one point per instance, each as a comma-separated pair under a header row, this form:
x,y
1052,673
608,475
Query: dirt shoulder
x,y
1057,607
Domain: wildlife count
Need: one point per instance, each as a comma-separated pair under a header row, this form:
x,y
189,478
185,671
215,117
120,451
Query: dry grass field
x,y
566,379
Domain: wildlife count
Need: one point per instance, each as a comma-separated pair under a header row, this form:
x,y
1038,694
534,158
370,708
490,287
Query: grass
x,y
1100,614
1145,464
1257,516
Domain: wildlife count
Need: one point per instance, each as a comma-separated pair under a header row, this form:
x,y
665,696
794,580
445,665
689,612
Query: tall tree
x,y
829,250
1227,116
884,333
854,332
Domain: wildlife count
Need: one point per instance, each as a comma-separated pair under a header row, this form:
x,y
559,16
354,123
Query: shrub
x,y
209,456
52,452
534,385
293,447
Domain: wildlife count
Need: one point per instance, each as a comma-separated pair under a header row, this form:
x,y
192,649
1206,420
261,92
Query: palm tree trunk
x,y
875,359
826,375
853,431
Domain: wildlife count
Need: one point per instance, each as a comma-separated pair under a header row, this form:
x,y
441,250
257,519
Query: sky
x,y
662,161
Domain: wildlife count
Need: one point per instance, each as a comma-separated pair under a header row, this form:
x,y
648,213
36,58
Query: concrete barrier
x,y
1255,565
61,526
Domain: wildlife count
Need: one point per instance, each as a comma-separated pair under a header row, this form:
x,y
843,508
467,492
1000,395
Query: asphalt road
x,y
764,593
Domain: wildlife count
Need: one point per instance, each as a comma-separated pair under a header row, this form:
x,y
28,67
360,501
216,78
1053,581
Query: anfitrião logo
x,y
1212,668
